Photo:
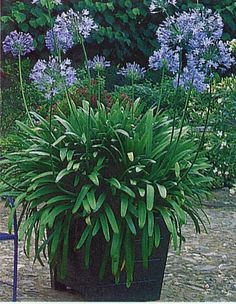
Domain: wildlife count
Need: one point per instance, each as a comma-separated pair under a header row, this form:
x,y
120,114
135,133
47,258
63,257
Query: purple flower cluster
x,y
161,5
78,24
18,44
165,57
98,63
53,77
132,71
196,37
69,29
59,39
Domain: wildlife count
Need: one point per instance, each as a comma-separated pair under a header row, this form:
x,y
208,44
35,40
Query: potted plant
x,y
106,191
105,188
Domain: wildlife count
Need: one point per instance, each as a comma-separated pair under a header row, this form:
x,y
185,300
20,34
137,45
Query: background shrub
x,y
127,29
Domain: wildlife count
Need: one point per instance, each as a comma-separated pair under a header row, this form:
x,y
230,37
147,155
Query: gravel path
x,y
204,271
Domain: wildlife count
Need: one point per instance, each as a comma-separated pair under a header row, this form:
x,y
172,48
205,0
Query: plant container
x,y
147,283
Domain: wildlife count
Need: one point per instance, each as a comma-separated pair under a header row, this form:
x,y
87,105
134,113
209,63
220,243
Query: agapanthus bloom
x,y
98,63
18,43
161,5
190,43
55,2
189,30
53,77
79,24
165,57
59,38
190,78
132,71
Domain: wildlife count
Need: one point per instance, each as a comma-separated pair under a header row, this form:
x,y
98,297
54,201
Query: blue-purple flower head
x,y
79,24
98,63
59,39
189,30
18,44
132,71
161,5
165,58
54,2
52,77
190,43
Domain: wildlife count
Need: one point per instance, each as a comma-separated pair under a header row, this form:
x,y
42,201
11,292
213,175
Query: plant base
x,y
145,287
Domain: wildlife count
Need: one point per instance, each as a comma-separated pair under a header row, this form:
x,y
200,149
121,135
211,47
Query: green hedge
x,y
127,29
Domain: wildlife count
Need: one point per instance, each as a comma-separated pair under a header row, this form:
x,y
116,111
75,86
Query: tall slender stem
x,y
99,87
132,85
22,89
50,130
175,95
161,91
203,134
90,85
51,26
184,113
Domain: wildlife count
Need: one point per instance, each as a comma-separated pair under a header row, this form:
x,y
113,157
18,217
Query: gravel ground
x,y
204,271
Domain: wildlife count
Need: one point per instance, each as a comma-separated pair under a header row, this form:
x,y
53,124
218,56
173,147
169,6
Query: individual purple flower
x,y
53,77
98,63
132,71
59,39
55,2
165,57
19,44
79,24
161,5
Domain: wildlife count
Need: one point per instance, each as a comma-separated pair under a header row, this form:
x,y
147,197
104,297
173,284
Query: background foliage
x,y
127,29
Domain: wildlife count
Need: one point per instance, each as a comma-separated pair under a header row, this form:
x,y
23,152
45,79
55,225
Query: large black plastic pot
x,y
147,282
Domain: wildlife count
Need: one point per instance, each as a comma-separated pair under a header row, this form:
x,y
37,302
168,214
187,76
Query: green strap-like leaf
x,y
94,178
142,211
129,258
81,197
114,182
179,212
124,201
150,197
105,227
96,227
157,235
130,223
150,217
162,190
144,246
84,236
91,199
62,174
111,218
127,190
100,201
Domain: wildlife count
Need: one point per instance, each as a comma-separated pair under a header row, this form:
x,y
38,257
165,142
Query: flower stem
x,y
90,87
99,87
184,113
50,130
175,95
132,85
203,135
161,91
22,89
